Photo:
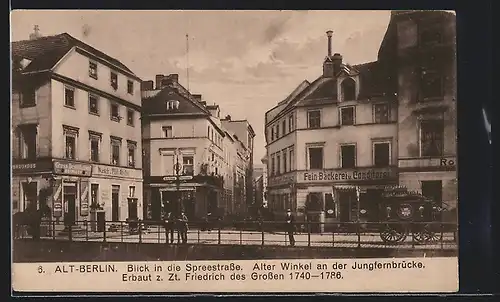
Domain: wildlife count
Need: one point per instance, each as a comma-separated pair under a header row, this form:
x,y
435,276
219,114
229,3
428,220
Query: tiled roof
x,y
45,52
156,104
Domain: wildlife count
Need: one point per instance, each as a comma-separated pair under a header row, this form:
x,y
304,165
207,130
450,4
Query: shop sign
x,y
344,175
281,180
33,166
103,170
70,168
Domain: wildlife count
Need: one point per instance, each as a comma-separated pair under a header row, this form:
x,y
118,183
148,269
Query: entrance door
x,y
115,203
69,192
345,204
132,208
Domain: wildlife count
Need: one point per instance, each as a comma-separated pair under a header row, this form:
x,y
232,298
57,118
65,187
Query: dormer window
x,y
172,105
348,88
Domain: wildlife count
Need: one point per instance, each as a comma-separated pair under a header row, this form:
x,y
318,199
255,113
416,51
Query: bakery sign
x,y
282,179
347,175
71,168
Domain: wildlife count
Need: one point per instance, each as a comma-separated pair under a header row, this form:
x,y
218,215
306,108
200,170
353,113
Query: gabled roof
x,y
156,104
45,52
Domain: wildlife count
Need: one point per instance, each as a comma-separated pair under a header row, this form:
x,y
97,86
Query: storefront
x,y
195,195
117,191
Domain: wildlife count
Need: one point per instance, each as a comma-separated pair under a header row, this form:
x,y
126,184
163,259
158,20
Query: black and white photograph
x,y
167,136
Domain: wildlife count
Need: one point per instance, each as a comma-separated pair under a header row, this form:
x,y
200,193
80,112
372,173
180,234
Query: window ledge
x,y
93,76
115,119
22,106
70,107
131,125
94,113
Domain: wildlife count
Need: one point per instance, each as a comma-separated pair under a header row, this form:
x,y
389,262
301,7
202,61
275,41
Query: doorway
x,y
132,208
69,196
115,203
347,199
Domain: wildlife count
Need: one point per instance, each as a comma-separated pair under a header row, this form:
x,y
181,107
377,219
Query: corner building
x,y
330,137
422,49
76,131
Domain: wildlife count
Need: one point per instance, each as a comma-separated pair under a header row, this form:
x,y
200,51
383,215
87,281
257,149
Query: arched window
x,y
348,87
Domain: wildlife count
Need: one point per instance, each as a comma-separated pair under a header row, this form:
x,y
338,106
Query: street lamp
x,y
178,183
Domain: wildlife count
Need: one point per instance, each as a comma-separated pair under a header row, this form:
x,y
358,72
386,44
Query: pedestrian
x,y
169,227
183,226
209,221
290,226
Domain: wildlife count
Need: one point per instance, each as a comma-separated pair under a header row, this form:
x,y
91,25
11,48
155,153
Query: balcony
x,y
427,164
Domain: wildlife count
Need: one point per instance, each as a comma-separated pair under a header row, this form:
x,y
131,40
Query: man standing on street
x,y
290,226
169,227
183,227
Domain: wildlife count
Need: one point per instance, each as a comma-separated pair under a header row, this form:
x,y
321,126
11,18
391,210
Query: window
x,y
272,165
172,105
130,117
431,138
272,133
284,128
330,206
277,131
69,96
131,147
93,104
115,150
290,123
115,112
94,194
187,165
30,192
381,113
347,116
348,156
348,87
381,154
131,191
430,36
291,160
95,142
168,164
208,132
93,70
28,97
284,161
314,119
114,80
70,141
316,158
278,164
431,85
167,132
130,87
28,141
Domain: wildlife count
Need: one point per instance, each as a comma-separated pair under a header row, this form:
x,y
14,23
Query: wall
x,y
41,114
85,121
76,66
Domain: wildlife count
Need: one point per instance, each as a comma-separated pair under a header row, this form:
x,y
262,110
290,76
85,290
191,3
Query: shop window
x,y
115,150
314,202
315,157
330,207
115,112
348,88
433,189
348,156
95,144
314,119
131,149
93,70
347,115
188,165
70,141
28,135
431,138
69,96
114,80
130,117
167,131
381,113
30,192
93,104
381,154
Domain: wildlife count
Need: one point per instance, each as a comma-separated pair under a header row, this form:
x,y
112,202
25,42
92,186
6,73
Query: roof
x,y
155,104
45,52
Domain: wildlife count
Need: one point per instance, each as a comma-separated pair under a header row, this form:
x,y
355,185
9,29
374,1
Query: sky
x,y
245,61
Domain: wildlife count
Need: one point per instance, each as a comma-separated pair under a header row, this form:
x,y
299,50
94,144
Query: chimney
x,y
204,103
36,33
174,77
147,85
329,35
227,118
197,97
337,62
158,79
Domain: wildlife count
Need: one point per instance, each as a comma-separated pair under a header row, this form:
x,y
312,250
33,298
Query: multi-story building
x,y
420,47
181,131
330,138
76,136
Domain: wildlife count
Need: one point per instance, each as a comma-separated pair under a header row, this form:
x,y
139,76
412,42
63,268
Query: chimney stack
x,y
197,97
36,33
337,62
147,85
329,35
174,77
158,79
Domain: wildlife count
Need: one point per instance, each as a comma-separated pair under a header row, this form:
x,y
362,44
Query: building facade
x,y
330,138
76,137
422,49
191,162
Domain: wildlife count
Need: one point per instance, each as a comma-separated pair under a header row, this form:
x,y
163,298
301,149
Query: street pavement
x,y
235,237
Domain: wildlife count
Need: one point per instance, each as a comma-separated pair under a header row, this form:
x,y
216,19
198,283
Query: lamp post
x,y
178,183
